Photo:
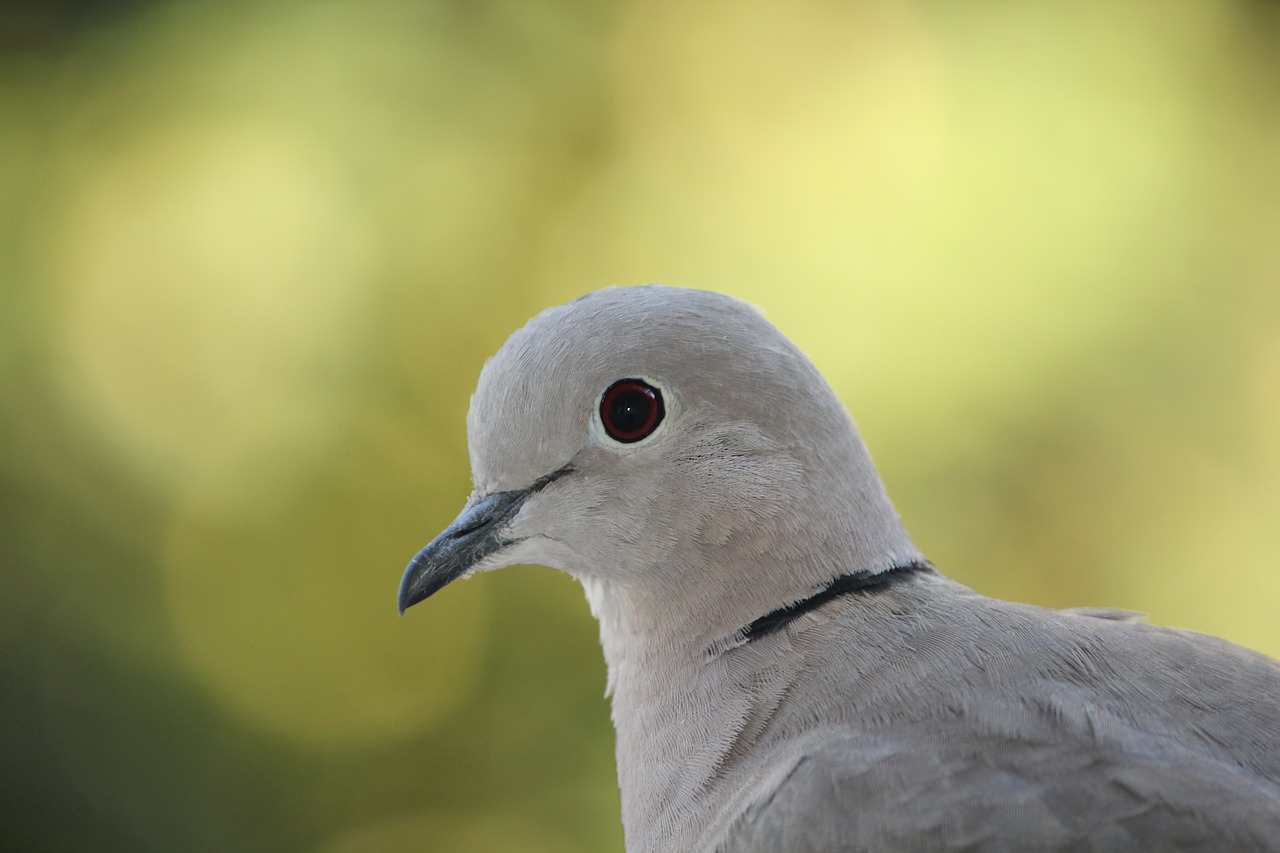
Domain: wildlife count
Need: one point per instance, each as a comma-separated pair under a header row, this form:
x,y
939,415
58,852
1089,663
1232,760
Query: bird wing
x,y
940,791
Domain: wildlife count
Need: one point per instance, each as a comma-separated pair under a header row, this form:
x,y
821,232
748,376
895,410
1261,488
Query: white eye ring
x,y
651,424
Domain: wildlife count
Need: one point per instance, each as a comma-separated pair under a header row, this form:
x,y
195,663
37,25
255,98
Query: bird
x,y
787,671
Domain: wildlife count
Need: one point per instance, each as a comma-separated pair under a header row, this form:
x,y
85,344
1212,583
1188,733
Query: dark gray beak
x,y
476,533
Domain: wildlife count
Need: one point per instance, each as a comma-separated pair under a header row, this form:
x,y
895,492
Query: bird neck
x,y
679,705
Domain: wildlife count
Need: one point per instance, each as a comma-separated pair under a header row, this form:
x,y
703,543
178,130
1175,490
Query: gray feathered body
x,y
934,718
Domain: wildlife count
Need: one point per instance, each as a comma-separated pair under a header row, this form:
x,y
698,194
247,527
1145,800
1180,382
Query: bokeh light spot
x,y
212,279
289,616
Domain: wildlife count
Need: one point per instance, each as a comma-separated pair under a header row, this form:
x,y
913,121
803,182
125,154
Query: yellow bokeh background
x,y
252,257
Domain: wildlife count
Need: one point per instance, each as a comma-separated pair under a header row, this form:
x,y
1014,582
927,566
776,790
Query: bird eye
x,y
630,410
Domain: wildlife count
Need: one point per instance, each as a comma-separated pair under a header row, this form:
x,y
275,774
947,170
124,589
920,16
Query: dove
x,y
787,671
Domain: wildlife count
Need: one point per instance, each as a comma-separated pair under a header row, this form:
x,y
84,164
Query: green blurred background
x,y
253,255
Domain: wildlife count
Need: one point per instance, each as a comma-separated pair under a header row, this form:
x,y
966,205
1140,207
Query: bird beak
x,y
476,533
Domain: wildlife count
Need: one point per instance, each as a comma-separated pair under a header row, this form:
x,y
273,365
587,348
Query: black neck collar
x,y
857,583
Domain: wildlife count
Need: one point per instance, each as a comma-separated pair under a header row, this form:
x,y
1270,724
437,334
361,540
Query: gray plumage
x,y
756,712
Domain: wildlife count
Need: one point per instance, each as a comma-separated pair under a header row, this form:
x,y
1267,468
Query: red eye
x,y
630,410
